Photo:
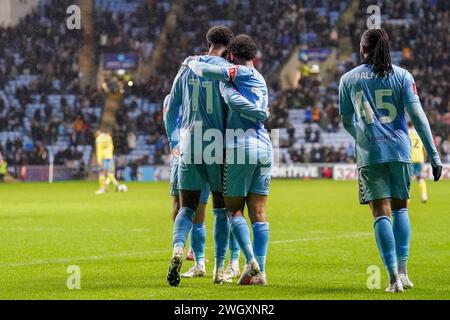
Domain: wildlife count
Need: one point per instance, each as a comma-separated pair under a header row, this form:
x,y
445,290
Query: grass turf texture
x,y
321,244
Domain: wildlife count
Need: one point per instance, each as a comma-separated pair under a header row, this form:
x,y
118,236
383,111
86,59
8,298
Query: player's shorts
x,y
417,169
174,190
193,176
241,179
108,165
390,180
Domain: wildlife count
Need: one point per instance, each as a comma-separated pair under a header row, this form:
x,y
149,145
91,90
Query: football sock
x,y
260,242
221,236
101,181
241,232
234,249
107,182
182,226
198,240
113,179
423,188
384,236
402,234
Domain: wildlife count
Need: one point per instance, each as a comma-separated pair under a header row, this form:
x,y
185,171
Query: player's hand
x,y
189,59
176,152
437,172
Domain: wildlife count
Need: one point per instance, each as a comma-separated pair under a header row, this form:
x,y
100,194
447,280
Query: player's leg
x,y
190,183
375,190
221,223
385,239
237,182
256,205
233,269
111,176
198,242
107,169
422,182
401,183
221,237
102,178
199,223
175,207
174,191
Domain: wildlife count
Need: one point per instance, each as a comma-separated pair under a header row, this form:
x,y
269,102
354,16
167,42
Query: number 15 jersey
x,y
378,105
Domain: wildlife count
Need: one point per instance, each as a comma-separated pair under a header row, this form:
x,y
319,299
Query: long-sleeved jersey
x,y
373,110
245,92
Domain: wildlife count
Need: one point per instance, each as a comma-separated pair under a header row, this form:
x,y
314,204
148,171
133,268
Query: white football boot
x,y
259,279
406,283
219,276
233,271
196,271
395,287
250,270
100,191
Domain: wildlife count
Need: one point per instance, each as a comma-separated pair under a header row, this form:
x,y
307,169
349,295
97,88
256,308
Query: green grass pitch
x,y
320,248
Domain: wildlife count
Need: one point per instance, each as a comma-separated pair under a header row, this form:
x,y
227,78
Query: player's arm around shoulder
x,y
238,103
210,71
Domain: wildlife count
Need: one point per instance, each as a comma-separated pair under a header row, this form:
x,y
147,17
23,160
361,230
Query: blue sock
x,y
198,240
260,243
221,236
241,232
182,226
386,244
402,232
234,248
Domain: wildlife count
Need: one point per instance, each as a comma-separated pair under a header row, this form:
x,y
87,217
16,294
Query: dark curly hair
x,y
243,47
219,35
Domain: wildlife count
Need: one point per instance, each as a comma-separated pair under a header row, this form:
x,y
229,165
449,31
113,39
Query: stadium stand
x,y
419,42
277,34
44,113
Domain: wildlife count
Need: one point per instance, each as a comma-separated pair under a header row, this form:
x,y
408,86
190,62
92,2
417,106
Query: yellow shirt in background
x,y
417,148
104,147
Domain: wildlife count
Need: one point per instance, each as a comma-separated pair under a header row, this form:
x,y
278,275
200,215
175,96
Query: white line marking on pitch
x,y
143,253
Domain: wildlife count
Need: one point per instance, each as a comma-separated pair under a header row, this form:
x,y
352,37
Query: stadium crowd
x,y
43,110
420,40
278,27
44,113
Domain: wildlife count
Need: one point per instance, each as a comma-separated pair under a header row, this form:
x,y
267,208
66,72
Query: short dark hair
x,y
243,47
219,35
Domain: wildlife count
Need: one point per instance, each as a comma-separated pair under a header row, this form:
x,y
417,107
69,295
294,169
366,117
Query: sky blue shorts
x,y
108,165
240,179
391,180
174,188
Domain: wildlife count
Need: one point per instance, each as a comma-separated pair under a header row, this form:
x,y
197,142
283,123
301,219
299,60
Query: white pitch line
x,y
143,253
